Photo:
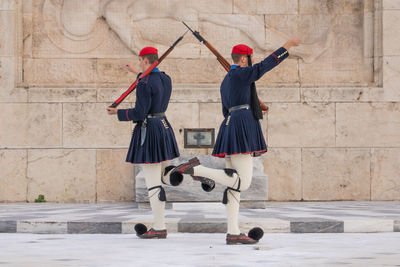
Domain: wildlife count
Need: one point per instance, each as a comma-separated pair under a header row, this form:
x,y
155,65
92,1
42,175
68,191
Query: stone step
x,y
204,225
201,217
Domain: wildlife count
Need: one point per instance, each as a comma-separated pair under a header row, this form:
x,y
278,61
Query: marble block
x,y
191,191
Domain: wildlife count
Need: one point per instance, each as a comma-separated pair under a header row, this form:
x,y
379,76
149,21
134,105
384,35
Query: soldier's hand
x,y
131,68
292,42
265,110
295,41
111,111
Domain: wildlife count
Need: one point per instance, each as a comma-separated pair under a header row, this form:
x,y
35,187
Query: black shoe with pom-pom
x,y
142,232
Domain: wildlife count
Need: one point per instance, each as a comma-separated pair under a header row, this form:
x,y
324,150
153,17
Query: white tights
x,y
243,164
152,174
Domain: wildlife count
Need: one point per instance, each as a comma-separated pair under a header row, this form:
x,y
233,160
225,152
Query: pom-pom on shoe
x,y
207,184
142,232
256,233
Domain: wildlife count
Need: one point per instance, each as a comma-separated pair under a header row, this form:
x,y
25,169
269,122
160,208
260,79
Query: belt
x,y
245,106
156,115
144,125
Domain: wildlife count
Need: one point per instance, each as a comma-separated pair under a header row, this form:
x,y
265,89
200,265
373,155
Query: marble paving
x,y
188,249
277,217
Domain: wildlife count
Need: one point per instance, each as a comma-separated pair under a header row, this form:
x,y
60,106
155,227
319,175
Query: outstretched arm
x,y
131,68
292,42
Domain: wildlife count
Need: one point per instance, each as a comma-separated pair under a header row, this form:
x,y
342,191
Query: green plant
x,y
40,199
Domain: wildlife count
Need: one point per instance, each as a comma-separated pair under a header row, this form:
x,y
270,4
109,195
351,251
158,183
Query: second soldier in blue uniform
x,y
153,141
240,136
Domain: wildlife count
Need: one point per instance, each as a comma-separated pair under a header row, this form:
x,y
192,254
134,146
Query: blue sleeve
x,y
255,72
142,105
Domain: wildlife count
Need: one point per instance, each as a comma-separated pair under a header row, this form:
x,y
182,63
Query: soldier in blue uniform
x,y
240,136
153,141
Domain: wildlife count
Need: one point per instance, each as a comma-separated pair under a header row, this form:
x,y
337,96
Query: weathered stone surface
x,y
268,225
391,78
7,77
98,30
51,40
312,7
282,94
30,125
385,173
42,227
27,6
368,124
6,33
180,116
112,94
13,164
283,166
391,28
285,73
8,226
237,28
301,125
336,174
342,94
217,7
321,73
396,226
201,93
211,116
60,71
316,227
163,32
311,27
94,227
115,178
205,70
88,125
248,7
27,32
370,226
274,7
201,226
7,5
390,4
62,175
62,95
114,71
341,58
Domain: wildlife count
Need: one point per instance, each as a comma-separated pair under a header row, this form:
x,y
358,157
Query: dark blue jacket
x,y
152,96
235,88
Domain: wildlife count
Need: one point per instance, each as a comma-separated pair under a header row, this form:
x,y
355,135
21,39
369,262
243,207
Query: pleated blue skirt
x,y
159,145
239,133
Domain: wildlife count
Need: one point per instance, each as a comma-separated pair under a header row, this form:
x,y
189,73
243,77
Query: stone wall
x,y
334,123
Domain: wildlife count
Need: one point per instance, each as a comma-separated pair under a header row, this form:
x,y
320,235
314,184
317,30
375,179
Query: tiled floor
x,y
280,217
184,249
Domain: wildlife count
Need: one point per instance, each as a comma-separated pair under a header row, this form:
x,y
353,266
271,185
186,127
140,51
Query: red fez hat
x,y
148,50
242,49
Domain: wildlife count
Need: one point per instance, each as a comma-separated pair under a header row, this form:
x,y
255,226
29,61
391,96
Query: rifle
x,y
225,64
147,72
220,58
